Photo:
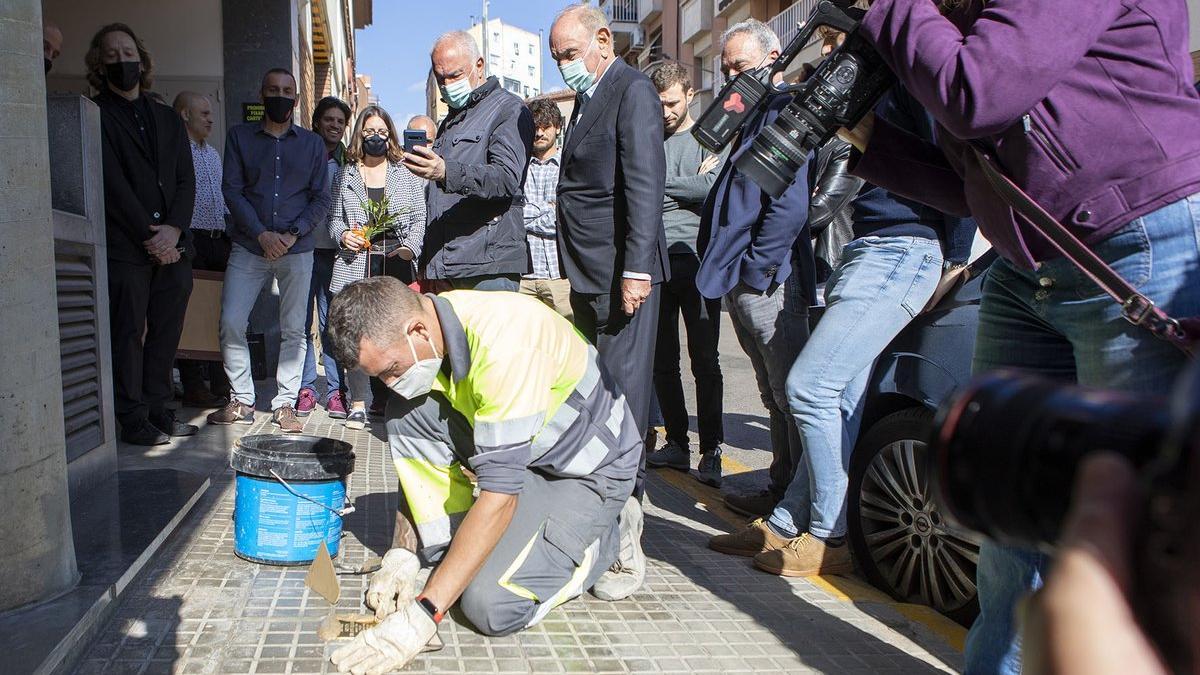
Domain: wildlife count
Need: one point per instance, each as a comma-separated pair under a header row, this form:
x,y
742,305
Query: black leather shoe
x,y
143,433
166,423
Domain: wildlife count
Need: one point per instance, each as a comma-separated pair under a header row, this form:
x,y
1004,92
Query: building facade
x,y
646,32
221,48
513,56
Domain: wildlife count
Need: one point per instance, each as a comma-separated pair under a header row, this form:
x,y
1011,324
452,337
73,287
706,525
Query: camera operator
x,y
1089,108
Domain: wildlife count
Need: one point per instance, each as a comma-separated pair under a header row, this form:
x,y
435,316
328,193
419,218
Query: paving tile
x,y
199,609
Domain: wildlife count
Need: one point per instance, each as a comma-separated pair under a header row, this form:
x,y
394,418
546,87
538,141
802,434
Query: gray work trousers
x,y
561,538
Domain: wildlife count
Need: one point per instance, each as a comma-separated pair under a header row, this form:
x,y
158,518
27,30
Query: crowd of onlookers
x,y
618,219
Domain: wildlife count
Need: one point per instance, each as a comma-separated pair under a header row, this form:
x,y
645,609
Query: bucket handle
x,y
341,513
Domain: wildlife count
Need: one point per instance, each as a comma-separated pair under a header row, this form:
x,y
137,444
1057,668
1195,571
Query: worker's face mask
x,y
417,380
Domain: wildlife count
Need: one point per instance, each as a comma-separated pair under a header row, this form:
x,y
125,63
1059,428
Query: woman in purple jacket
x,y
1089,106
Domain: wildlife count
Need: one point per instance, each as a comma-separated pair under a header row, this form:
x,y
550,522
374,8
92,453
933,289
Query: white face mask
x,y
575,73
417,380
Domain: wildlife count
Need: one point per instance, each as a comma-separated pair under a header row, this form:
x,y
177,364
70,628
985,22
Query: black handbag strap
x,y
1135,306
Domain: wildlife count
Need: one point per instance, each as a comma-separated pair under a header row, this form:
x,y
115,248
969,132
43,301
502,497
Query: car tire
x,y
899,537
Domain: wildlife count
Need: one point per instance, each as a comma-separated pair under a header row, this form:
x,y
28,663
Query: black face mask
x,y
375,145
49,64
124,75
279,108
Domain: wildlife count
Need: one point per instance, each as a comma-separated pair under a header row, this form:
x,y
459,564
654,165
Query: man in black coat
x,y
610,197
149,190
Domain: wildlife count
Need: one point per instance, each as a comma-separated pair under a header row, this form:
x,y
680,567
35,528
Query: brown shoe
x,y
234,412
285,418
806,556
749,541
756,504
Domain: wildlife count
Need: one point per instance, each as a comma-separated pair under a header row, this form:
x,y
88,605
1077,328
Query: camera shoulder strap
x,y
1135,306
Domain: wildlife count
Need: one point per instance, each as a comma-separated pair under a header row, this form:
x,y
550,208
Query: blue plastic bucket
x,y
291,496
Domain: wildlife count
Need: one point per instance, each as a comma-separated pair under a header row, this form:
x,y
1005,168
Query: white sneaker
x,y
628,573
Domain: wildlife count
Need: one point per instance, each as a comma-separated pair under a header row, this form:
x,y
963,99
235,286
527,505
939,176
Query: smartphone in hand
x,y
413,138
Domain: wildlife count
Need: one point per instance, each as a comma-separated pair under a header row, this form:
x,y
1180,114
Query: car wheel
x,y
900,539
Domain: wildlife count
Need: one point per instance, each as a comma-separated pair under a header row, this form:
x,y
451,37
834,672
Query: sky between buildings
x,y
394,50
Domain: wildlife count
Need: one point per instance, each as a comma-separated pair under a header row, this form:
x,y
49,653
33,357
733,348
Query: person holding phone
x,y
1088,106
373,171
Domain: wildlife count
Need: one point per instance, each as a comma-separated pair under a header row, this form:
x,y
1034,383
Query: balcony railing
x,y
621,11
786,23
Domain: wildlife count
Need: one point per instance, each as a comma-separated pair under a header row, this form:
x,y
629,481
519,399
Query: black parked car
x,y
900,541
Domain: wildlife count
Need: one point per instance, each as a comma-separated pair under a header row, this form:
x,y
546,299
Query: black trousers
x,y
626,347
146,306
702,320
212,255
402,270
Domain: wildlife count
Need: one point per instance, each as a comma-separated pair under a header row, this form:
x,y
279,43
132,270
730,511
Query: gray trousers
x,y
562,537
772,329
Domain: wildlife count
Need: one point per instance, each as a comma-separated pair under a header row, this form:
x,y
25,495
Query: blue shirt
x,y
275,185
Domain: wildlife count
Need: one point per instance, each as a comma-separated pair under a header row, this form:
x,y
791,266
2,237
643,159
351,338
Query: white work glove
x,y
389,646
395,584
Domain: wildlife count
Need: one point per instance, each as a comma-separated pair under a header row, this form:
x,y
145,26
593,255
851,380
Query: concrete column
x,y
37,554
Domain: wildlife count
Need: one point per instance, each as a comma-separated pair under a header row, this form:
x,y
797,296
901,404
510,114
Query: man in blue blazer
x,y
757,255
610,194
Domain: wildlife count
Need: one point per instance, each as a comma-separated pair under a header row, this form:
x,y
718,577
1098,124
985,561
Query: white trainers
x,y
628,573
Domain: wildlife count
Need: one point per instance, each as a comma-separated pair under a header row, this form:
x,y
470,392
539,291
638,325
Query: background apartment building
x,y
513,55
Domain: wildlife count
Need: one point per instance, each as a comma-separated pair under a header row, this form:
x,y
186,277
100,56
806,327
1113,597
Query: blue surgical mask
x,y
575,73
457,93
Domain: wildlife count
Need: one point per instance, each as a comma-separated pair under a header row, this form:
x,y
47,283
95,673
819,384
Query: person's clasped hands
x,y
162,246
406,627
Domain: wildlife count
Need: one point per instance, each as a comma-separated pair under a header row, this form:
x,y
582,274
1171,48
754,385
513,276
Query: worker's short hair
x,y
375,308
669,74
545,113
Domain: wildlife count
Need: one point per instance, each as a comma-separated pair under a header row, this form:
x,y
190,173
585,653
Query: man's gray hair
x,y
762,34
461,39
590,16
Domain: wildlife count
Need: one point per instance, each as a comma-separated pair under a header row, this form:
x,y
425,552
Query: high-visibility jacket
x,y
534,394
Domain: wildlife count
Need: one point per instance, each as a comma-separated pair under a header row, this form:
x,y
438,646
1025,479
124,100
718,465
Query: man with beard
x,y
690,175
545,281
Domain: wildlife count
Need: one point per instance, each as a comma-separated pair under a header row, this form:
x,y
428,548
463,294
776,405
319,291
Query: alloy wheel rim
x,y
921,558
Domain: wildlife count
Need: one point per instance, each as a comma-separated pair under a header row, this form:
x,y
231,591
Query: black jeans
x,y
212,255
702,320
146,306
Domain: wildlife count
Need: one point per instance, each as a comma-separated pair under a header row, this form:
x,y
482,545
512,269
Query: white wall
x,y
183,36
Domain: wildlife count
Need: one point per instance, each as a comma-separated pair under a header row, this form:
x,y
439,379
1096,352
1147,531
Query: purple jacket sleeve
x,y
911,167
1012,55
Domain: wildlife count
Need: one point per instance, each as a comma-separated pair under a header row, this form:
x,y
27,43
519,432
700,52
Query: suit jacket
x,y
139,191
745,235
406,199
610,186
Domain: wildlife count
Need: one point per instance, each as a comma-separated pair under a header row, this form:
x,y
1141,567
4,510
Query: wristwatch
x,y
294,231
432,609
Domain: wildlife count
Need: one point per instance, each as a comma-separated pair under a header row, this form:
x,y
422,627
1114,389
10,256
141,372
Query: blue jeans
x,y
245,277
879,286
1057,323
322,274
771,327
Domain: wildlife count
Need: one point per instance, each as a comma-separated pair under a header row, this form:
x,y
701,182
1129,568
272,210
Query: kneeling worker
x,y
498,383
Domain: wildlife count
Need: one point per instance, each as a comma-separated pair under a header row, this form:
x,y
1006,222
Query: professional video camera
x,y
841,91
1003,458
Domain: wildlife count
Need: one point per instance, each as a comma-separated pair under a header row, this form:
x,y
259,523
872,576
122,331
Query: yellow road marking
x,y
844,589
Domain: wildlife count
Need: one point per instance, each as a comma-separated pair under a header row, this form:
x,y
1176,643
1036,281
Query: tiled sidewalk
x,y
199,609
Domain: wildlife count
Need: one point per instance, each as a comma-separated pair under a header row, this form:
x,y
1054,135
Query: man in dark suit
x,y
757,255
610,195
149,190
